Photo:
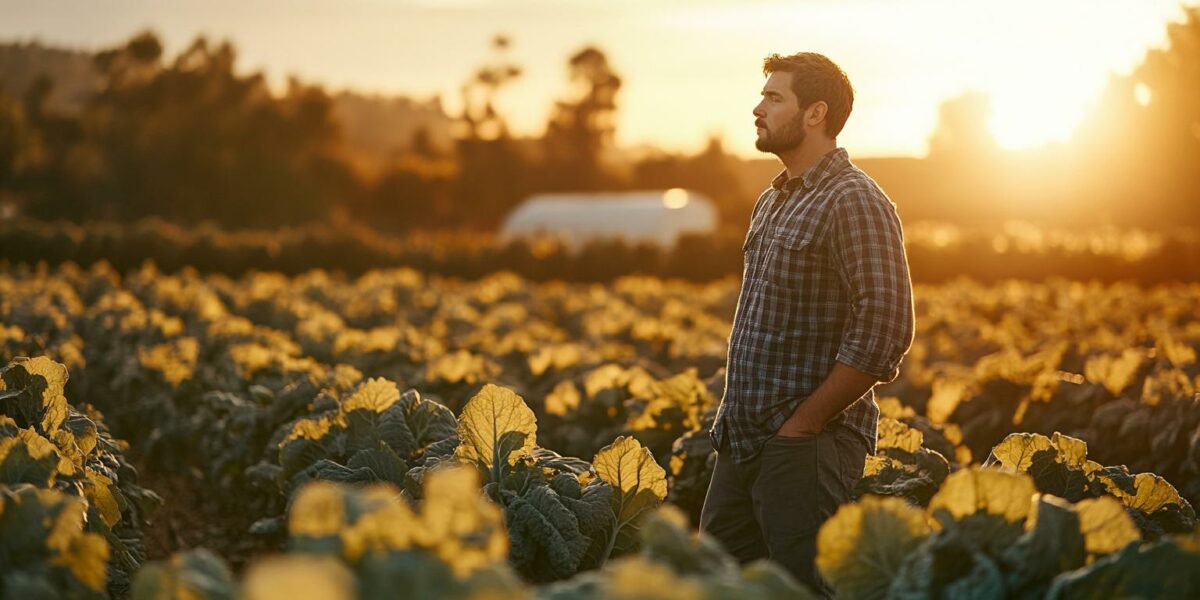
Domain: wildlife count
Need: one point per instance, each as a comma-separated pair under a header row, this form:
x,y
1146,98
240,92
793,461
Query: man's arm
x,y
868,250
842,387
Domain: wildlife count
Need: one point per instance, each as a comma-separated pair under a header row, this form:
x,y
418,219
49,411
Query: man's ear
x,y
815,113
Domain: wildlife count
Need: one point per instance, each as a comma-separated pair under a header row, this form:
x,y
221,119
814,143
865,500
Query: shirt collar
x,y
832,162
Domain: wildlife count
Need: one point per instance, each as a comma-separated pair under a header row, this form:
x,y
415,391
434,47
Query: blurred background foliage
x,y
189,138
127,133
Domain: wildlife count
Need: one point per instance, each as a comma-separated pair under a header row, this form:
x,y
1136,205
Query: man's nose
x,y
758,111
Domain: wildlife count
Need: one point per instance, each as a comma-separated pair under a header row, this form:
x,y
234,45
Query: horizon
x,y
894,113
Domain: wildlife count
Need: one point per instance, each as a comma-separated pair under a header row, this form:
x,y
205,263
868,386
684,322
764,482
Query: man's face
x,y
778,116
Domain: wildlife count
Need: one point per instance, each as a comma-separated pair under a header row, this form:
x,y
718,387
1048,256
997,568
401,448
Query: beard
x,y
789,136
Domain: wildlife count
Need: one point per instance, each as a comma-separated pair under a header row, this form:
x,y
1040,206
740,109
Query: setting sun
x,y
1021,119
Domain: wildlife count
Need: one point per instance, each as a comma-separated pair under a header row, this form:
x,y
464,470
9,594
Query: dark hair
x,y
815,77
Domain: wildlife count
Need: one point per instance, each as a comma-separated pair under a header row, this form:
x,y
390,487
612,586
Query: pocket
x,y
793,260
790,486
793,241
852,449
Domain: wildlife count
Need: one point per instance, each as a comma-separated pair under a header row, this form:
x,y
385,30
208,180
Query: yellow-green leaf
x,y
496,425
375,394
1115,373
86,556
1105,525
30,458
603,377
99,490
973,490
462,528
298,576
894,434
639,483
891,407
946,395
861,547
311,429
389,525
876,464
1015,452
318,511
563,399
641,579
51,400
1072,451
69,521
1153,494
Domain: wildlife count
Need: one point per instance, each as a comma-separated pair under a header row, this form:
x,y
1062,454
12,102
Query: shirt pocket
x,y
795,260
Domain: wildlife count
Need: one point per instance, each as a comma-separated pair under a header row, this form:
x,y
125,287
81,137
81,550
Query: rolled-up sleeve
x,y
868,250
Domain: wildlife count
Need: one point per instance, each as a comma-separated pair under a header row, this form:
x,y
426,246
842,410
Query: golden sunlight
x,y
1023,119
675,198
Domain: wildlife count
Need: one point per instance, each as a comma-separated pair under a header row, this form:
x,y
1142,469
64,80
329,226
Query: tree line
x,y
188,138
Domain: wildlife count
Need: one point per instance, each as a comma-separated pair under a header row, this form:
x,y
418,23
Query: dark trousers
x,y
772,505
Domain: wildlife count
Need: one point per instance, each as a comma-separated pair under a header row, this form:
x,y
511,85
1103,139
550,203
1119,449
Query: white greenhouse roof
x,y
658,216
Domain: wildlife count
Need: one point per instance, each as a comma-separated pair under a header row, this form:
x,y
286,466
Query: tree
x,y
583,125
479,115
49,165
492,171
1171,80
1141,141
17,141
1171,77
962,133
192,139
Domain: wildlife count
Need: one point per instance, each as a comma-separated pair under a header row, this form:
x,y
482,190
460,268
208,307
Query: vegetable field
x,y
397,434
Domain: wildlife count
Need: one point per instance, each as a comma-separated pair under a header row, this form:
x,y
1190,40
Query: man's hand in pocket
x,y
803,422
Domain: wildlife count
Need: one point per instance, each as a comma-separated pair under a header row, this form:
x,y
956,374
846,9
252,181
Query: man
x,y
825,312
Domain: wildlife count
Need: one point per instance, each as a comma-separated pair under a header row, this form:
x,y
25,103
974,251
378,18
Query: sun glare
x,y
1033,106
675,198
1024,121
1142,94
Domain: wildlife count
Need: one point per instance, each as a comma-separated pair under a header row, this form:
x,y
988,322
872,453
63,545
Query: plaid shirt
x,y
826,279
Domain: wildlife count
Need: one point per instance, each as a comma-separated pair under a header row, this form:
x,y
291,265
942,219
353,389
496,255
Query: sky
x,y
691,68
